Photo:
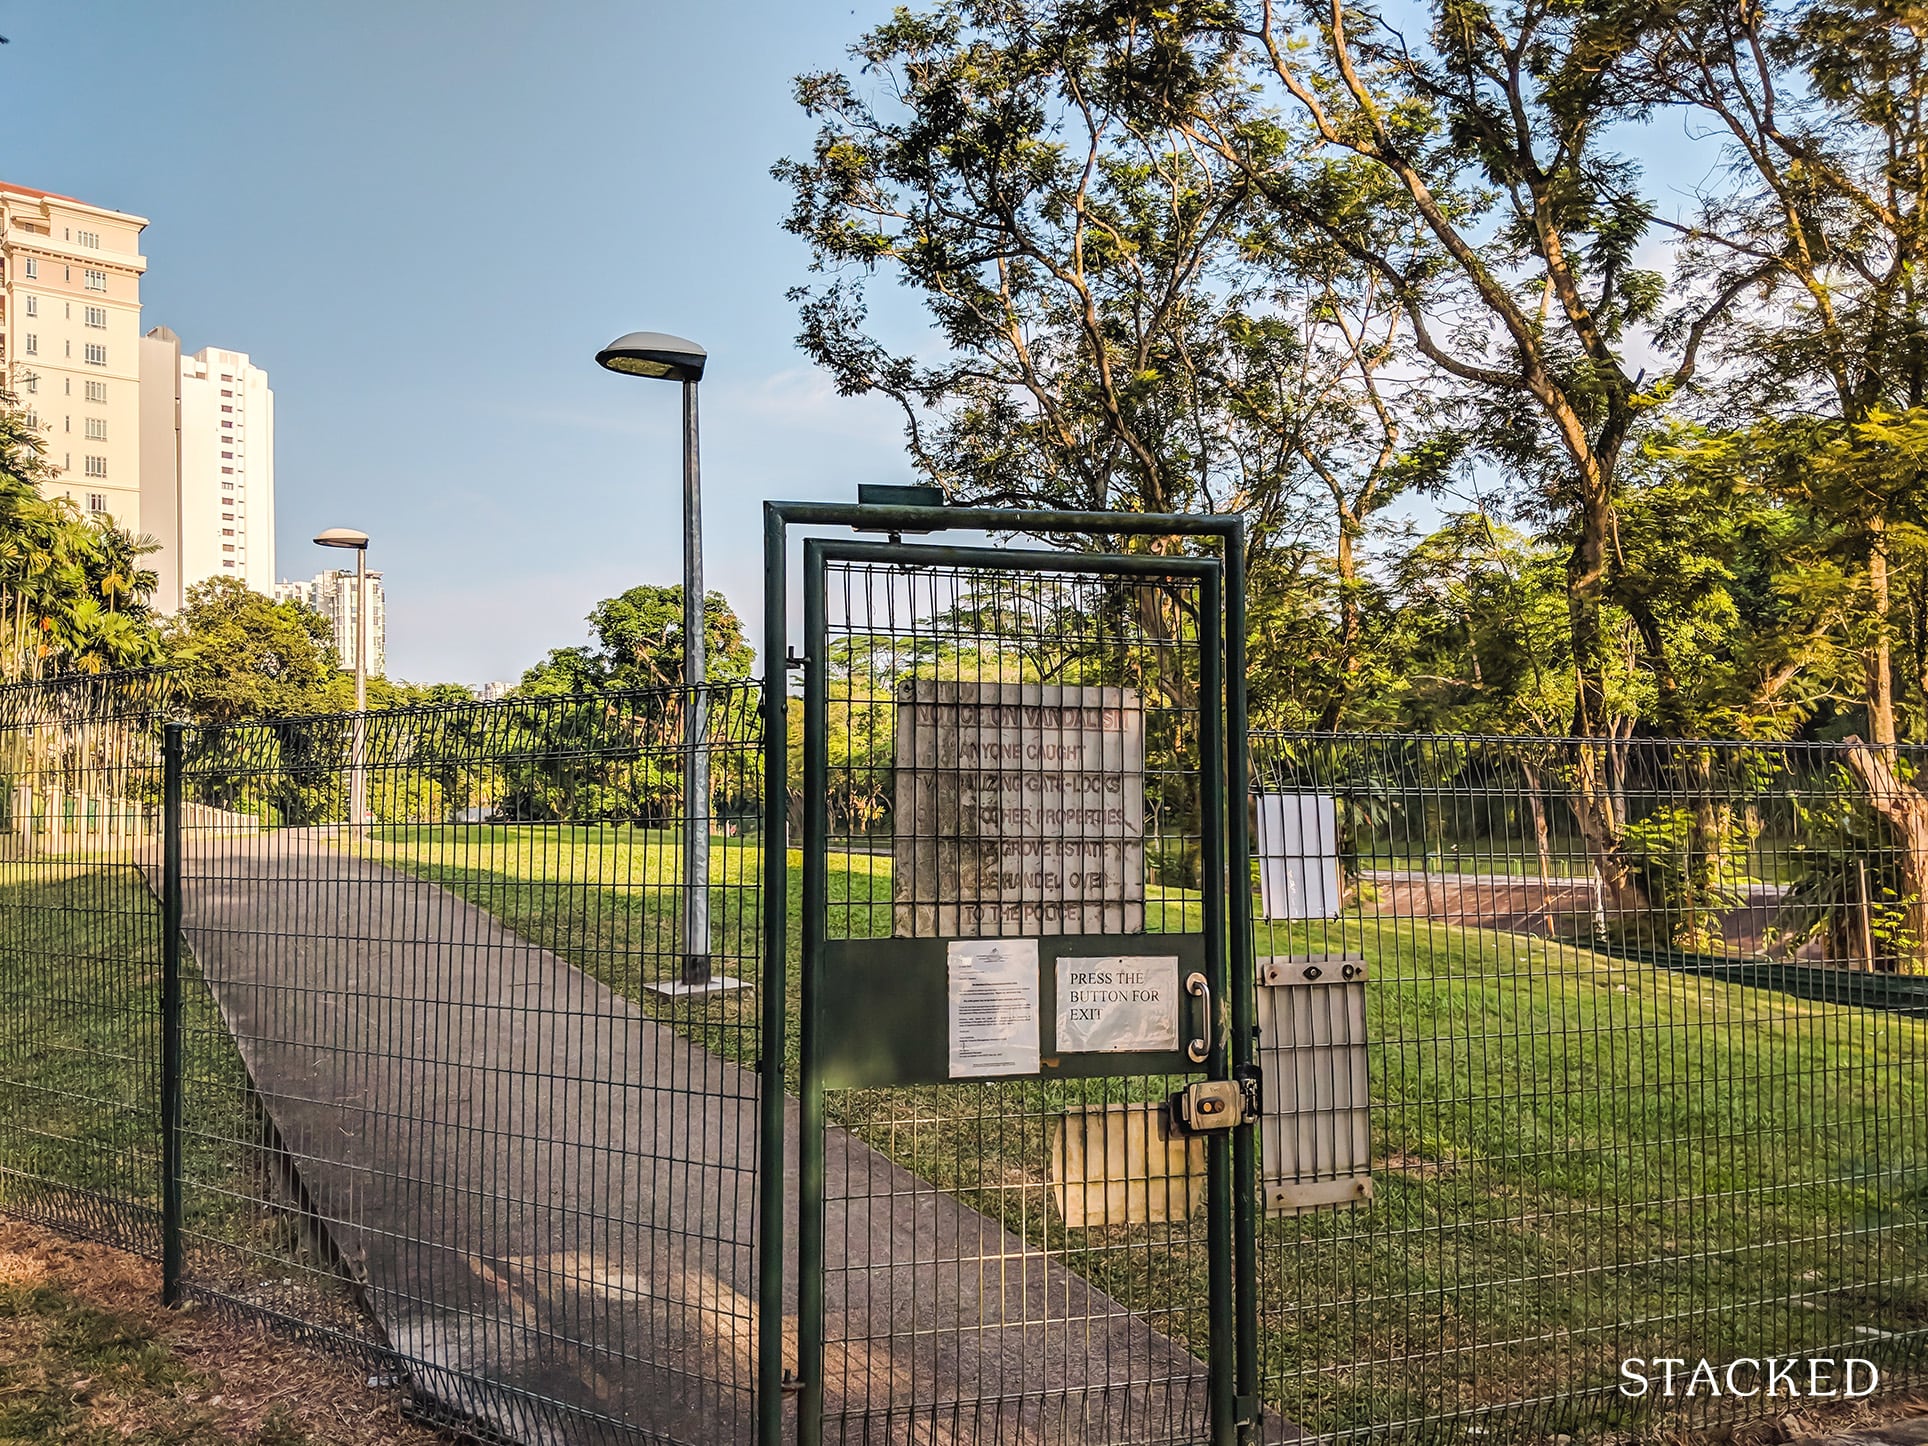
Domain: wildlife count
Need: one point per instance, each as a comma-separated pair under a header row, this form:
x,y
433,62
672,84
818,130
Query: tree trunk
x,y
1600,826
1347,567
1536,805
1592,803
1710,833
1542,840
1905,808
1881,683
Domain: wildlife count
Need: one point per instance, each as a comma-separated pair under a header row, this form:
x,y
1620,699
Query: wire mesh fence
x,y
1574,1055
1646,1029
475,1122
80,954
1017,775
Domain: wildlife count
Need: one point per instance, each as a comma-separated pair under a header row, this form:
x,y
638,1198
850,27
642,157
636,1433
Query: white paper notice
x,y
994,1007
1117,1004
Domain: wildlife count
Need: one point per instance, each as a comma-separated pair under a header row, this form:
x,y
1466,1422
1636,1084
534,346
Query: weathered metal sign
x,y
1019,810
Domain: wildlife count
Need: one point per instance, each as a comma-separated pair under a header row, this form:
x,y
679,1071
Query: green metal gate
x,y
1023,1169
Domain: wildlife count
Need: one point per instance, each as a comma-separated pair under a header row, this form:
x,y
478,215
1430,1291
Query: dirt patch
x,y
88,1354
1820,1425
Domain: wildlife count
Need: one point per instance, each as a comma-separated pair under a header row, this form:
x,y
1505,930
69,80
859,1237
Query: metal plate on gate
x,y
884,1011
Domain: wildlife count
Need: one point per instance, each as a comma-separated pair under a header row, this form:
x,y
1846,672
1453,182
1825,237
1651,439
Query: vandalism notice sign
x,y
993,1007
1020,810
1117,1003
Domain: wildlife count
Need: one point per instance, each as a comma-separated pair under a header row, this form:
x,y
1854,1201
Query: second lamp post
x,y
357,784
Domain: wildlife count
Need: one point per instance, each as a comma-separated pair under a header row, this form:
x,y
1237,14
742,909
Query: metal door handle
x,y
1200,1046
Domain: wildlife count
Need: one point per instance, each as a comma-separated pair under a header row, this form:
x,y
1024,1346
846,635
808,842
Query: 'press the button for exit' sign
x,y
1117,1004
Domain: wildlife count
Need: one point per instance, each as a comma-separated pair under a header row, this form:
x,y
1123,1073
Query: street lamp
x,y
673,359
348,537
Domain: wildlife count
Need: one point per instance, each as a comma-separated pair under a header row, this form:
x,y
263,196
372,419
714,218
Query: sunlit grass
x,y
1578,1158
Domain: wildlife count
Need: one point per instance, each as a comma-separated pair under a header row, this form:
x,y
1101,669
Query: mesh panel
x,y
1011,756
475,1129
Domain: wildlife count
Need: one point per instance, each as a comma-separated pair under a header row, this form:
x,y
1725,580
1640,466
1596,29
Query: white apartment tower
x,y
227,470
207,466
332,594
70,334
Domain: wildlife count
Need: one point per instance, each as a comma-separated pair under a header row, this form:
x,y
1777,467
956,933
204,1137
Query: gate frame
x,y
1232,1360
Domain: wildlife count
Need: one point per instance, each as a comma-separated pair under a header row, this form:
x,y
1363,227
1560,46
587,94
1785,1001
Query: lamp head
x,y
342,537
654,354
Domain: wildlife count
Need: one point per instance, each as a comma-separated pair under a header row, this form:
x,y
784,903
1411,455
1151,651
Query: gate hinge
x,y
1245,1411
794,659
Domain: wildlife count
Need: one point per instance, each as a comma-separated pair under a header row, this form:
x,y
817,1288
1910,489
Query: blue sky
x,y
423,217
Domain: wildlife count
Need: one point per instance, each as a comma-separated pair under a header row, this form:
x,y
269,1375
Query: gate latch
x,y
1218,1104
1212,1104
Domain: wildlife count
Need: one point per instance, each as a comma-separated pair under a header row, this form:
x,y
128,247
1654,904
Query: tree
x,y
1117,323
639,644
73,592
239,656
1825,109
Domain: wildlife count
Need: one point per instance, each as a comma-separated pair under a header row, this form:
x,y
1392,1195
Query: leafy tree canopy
x,y
638,643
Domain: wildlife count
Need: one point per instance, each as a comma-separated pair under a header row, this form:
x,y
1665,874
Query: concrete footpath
x,y
548,1196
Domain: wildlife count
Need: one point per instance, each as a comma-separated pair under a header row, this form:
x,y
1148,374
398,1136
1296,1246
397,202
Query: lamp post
x,y
671,358
357,787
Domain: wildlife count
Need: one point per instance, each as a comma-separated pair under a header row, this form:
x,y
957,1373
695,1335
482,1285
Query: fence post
x,y
171,1015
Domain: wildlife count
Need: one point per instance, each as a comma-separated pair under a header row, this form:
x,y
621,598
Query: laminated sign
x,y
993,1007
1117,1004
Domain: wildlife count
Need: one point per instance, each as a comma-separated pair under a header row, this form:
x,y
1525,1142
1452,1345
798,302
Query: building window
x,y
97,391
96,354
96,280
96,467
96,501
97,316
31,268
227,547
227,456
227,532
30,343
30,382
33,305
227,409
229,471
97,429
89,238
227,394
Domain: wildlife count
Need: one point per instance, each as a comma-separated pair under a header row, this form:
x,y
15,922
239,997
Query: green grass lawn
x,y
80,1029
1577,1158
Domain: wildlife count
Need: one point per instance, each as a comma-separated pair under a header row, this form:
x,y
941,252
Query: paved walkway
x,y
548,1196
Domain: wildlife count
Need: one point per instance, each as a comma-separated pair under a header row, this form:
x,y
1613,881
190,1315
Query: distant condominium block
x,y
207,435
332,594
70,312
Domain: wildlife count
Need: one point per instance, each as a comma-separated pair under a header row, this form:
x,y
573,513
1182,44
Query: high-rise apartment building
x,y
332,594
207,466
70,333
